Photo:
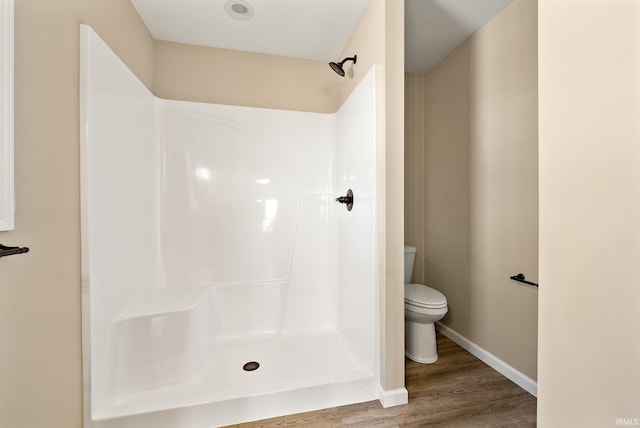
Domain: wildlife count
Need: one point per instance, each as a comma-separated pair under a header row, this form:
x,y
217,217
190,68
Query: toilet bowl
x,y
422,307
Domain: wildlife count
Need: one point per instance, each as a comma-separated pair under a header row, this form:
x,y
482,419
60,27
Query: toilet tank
x,y
409,261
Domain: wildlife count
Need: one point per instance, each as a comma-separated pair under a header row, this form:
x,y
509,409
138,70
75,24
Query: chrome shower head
x,y
337,66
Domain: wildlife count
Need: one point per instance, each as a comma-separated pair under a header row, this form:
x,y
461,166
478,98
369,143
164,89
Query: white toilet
x,y
422,307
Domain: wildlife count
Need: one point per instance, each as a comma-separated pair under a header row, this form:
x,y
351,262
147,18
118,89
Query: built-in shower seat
x,y
163,339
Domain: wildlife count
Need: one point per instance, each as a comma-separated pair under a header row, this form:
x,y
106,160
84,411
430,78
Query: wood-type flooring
x,y
458,390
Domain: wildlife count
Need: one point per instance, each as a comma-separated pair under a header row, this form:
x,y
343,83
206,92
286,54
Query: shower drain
x,y
250,366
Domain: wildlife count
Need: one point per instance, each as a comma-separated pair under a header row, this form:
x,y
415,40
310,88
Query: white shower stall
x,y
211,238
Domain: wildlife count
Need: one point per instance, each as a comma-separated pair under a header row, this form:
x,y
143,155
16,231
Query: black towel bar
x,y
520,278
10,251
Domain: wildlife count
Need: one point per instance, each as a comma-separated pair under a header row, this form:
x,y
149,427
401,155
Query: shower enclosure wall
x,y
211,239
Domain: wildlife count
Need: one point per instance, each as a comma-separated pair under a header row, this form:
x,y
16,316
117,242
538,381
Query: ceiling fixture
x,y
239,9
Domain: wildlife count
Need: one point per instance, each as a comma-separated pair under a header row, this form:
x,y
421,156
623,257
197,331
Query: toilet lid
x,y
423,296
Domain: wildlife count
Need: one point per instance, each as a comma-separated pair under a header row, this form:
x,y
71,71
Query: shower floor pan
x,y
296,373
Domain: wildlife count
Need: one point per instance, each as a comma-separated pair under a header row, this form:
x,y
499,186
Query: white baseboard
x,y
491,360
394,397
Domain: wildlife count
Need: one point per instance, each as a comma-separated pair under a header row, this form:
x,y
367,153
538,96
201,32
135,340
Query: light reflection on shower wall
x,y
250,198
235,180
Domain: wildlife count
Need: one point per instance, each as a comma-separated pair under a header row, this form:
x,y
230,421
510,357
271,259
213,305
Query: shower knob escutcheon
x,y
348,200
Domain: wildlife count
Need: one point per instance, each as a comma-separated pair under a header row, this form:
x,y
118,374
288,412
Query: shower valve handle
x,y
348,199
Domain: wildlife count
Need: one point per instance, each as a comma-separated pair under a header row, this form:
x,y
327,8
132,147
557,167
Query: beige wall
x,y
40,349
414,170
589,356
471,192
391,202
379,41
223,76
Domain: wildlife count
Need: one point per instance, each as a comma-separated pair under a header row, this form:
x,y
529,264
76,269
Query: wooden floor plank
x,y
457,391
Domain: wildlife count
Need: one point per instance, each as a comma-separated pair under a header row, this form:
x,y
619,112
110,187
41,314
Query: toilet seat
x,y
424,297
